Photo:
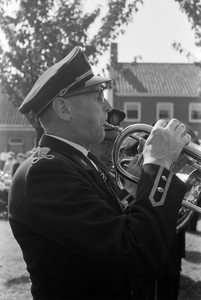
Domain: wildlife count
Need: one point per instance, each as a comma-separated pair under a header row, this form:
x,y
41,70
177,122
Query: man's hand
x,y
165,143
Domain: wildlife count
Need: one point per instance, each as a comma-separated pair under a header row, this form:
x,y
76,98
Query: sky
x,y
155,27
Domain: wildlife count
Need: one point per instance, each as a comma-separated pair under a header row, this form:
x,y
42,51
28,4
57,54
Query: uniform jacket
x,y
77,239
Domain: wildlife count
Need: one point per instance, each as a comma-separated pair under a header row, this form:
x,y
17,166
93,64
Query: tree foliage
x,y
192,8
42,32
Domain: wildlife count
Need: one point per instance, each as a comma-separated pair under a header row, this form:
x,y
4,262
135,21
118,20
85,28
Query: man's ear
x,y
62,108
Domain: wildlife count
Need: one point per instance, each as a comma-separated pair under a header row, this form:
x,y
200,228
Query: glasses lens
x,y
88,91
101,95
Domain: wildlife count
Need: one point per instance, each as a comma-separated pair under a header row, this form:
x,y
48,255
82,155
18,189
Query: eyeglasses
x,y
101,97
82,92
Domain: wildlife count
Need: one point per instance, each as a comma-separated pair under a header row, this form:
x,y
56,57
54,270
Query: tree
x,y
42,32
192,8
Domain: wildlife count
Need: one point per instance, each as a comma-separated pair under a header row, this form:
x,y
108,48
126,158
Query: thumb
x,y
141,145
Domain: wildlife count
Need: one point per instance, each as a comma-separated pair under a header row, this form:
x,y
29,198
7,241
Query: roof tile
x,y
9,115
157,78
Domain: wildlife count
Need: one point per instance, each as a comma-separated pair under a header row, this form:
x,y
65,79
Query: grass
x,y
14,279
15,284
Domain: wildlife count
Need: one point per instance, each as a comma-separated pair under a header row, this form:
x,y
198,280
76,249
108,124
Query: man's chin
x,y
101,139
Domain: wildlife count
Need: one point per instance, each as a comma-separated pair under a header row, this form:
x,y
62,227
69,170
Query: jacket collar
x,y
78,157
59,146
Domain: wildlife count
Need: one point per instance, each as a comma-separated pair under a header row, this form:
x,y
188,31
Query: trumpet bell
x,y
193,182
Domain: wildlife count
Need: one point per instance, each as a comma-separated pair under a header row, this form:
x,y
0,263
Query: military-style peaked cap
x,y
70,74
115,116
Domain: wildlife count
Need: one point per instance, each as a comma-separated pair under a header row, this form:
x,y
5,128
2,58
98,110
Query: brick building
x,y
16,133
147,92
144,91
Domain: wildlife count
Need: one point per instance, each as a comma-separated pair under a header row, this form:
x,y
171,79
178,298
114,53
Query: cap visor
x,y
96,80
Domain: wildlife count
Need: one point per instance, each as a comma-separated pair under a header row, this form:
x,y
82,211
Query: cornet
x,y
193,182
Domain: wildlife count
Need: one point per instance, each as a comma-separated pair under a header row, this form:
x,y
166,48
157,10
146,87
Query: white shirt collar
x,y
76,146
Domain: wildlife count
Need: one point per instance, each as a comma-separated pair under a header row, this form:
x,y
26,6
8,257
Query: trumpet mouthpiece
x,y
112,127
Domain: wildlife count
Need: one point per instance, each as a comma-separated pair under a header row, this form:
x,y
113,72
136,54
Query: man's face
x,y
89,114
104,151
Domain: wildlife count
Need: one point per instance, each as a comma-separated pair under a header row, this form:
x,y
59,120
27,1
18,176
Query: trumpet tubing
x,y
193,182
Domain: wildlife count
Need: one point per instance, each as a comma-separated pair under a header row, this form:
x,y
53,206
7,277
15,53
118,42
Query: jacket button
x,y
160,189
164,178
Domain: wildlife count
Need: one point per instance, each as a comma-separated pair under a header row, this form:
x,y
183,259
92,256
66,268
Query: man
x,y
103,150
77,239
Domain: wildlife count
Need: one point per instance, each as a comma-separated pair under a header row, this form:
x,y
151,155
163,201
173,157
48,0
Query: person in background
x,y
167,286
192,225
78,238
19,159
3,157
12,153
115,116
103,150
8,166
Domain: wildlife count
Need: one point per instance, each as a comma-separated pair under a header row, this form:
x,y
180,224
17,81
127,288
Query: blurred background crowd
x,y
9,162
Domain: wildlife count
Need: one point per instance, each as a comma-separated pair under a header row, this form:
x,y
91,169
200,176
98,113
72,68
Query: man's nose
x,y
107,104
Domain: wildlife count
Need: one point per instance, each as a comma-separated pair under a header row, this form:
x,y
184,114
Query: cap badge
x,y
42,154
114,120
82,162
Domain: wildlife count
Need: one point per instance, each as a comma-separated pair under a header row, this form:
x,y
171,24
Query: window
x,y
195,112
16,140
164,111
133,111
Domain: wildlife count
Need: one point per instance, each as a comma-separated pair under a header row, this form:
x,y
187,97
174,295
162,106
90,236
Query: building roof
x,y
9,115
162,79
